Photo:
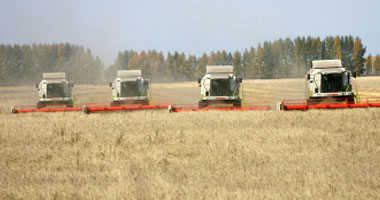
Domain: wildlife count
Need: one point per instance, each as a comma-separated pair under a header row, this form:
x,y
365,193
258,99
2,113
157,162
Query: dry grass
x,y
199,155
368,86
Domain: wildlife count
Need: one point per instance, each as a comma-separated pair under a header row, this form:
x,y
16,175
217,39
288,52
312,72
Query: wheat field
x,y
318,154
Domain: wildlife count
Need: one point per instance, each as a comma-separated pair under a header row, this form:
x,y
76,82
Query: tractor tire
x,y
40,104
236,104
202,104
145,103
69,104
351,100
115,104
315,101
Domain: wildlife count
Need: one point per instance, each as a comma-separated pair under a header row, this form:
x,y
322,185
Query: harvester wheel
x,y
309,102
236,104
69,104
115,104
202,104
314,101
351,100
40,105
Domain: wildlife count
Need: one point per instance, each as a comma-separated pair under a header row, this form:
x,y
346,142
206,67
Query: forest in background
x,y
283,58
24,64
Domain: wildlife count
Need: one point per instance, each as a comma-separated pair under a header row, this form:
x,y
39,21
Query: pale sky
x,y
193,27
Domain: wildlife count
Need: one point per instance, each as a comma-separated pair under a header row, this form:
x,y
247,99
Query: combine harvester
x,y
328,86
54,93
220,90
130,91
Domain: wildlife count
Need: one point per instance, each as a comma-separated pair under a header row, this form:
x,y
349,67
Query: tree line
x,y
24,64
282,58
372,64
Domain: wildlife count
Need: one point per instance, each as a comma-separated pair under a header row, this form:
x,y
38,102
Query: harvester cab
x,y
328,79
54,89
220,86
130,88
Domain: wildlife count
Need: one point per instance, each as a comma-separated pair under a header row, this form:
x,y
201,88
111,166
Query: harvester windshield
x,y
55,90
332,83
220,87
129,89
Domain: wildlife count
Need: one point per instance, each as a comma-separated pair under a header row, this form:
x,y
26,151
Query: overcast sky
x,y
190,26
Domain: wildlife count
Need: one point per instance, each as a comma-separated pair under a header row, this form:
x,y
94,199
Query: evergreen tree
x,y
259,61
245,63
376,64
224,58
275,59
298,51
60,66
230,58
329,49
357,56
347,50
237,63
269,63
317,49
170,67
368,65
190,67
122,60
201,65
211,59
250,71
337,48
309,50
278,68
217,58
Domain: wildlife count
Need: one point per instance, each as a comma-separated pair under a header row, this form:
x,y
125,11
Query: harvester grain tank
x,y
130,88
54,89
328,79
220,86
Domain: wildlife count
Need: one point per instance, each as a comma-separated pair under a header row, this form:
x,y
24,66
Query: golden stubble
x,y
329,154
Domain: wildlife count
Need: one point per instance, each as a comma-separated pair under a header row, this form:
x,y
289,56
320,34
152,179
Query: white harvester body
x,y
54,89
220,85
328,79
130,87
